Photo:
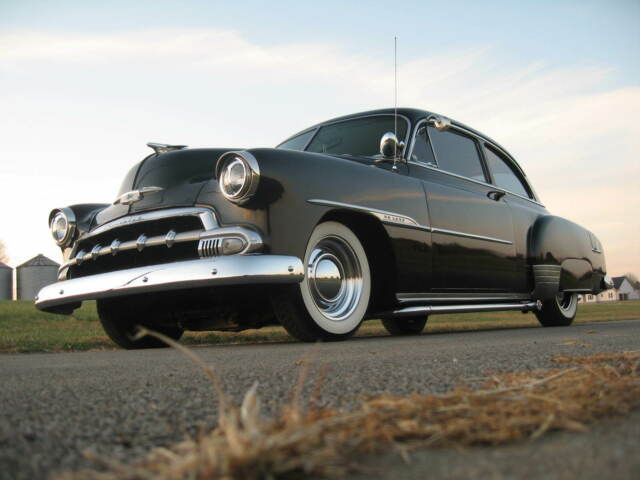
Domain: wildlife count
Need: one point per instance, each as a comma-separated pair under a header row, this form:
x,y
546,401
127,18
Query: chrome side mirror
x,y
390,147
441,123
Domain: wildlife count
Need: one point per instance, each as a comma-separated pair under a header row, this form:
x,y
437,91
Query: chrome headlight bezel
x,y
251,175
67,215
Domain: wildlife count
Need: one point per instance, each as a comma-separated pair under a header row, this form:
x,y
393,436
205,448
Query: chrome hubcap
x,y
335,278
565,301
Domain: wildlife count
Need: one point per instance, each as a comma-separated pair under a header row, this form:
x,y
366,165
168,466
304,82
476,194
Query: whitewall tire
x,y
332,300
559,311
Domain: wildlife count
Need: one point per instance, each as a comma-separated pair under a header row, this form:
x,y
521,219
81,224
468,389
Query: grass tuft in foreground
x,y
310,441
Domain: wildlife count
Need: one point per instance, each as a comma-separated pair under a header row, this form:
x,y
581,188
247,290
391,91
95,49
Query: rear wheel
x,y
331,301
405,326
559,311
120,319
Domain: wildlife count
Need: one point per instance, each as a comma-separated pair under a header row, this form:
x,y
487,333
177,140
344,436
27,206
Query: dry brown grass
x,y
302,442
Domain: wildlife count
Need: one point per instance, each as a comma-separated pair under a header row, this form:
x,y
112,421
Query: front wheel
x,y
331,301
559,311
119,320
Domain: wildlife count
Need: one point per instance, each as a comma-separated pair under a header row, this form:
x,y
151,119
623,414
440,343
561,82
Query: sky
x,y
84,85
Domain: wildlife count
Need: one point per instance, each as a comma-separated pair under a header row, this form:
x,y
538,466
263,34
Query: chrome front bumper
x,y
231,270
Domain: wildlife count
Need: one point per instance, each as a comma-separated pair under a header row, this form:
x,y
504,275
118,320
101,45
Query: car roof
x,y
413,114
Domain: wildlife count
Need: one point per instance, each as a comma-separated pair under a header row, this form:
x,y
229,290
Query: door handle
x,y
495,194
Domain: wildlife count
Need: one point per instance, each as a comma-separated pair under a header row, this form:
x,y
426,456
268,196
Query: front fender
x,y
84,214
294,178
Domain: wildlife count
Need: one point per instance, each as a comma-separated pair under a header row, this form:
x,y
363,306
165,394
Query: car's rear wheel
x,y
405,326
120,319
559,311
331,301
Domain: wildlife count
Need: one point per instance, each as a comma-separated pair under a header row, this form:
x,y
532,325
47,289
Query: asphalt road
x,y
122,403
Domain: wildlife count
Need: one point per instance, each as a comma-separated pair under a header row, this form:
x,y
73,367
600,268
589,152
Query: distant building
x,y
625,289
606,296
622,289
6,282
34,274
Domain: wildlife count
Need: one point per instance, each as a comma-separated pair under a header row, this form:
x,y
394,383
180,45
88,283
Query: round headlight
x,y
238,176
59,226
234,178
62,224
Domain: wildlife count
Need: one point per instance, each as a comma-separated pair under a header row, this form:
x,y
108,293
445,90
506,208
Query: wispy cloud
x,y
570,131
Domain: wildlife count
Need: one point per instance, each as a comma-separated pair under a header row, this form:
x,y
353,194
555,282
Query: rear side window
x,y
297,143
504,176
457,153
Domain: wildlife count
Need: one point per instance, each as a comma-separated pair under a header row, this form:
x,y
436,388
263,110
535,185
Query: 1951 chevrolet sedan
x,y
374,215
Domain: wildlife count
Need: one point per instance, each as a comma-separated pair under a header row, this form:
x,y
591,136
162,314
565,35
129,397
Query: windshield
x,y
298,142
358,137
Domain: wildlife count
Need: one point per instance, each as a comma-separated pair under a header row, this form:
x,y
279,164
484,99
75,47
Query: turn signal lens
x,y
232,245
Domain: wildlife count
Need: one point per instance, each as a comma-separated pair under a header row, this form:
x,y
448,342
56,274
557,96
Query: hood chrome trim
x,y
129,198
164,147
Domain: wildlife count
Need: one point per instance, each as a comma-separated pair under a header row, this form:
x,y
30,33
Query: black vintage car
x,y
382,214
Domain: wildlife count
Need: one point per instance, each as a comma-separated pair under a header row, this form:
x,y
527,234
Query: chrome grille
x,y
140,240
209,247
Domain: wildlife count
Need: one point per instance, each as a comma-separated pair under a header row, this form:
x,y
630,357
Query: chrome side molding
x,y
400,220
455,233
482,307
383,215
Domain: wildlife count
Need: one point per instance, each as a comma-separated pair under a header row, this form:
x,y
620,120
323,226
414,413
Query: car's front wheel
x,y
120,319
559,311
331,302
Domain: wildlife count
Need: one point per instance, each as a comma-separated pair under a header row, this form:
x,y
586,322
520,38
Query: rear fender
x,y
564,257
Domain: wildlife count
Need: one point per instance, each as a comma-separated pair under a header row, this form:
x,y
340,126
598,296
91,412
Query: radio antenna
x,y
395,94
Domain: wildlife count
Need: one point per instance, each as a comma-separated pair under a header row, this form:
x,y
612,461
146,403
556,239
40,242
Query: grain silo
x,y
34,274
6,282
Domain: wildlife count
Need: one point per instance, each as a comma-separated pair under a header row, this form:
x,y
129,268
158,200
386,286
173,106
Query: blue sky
x,y
560,32
85,84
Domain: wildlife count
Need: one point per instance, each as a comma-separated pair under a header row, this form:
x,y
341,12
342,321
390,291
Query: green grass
x,y
25,329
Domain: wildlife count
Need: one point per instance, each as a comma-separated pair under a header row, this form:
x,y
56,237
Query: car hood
x,y
180,174
187,177
178,167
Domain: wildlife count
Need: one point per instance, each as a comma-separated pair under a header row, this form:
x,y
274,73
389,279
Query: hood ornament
x,y
129,198
164,147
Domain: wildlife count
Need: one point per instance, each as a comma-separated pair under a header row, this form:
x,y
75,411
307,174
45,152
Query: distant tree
x,y
4,256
